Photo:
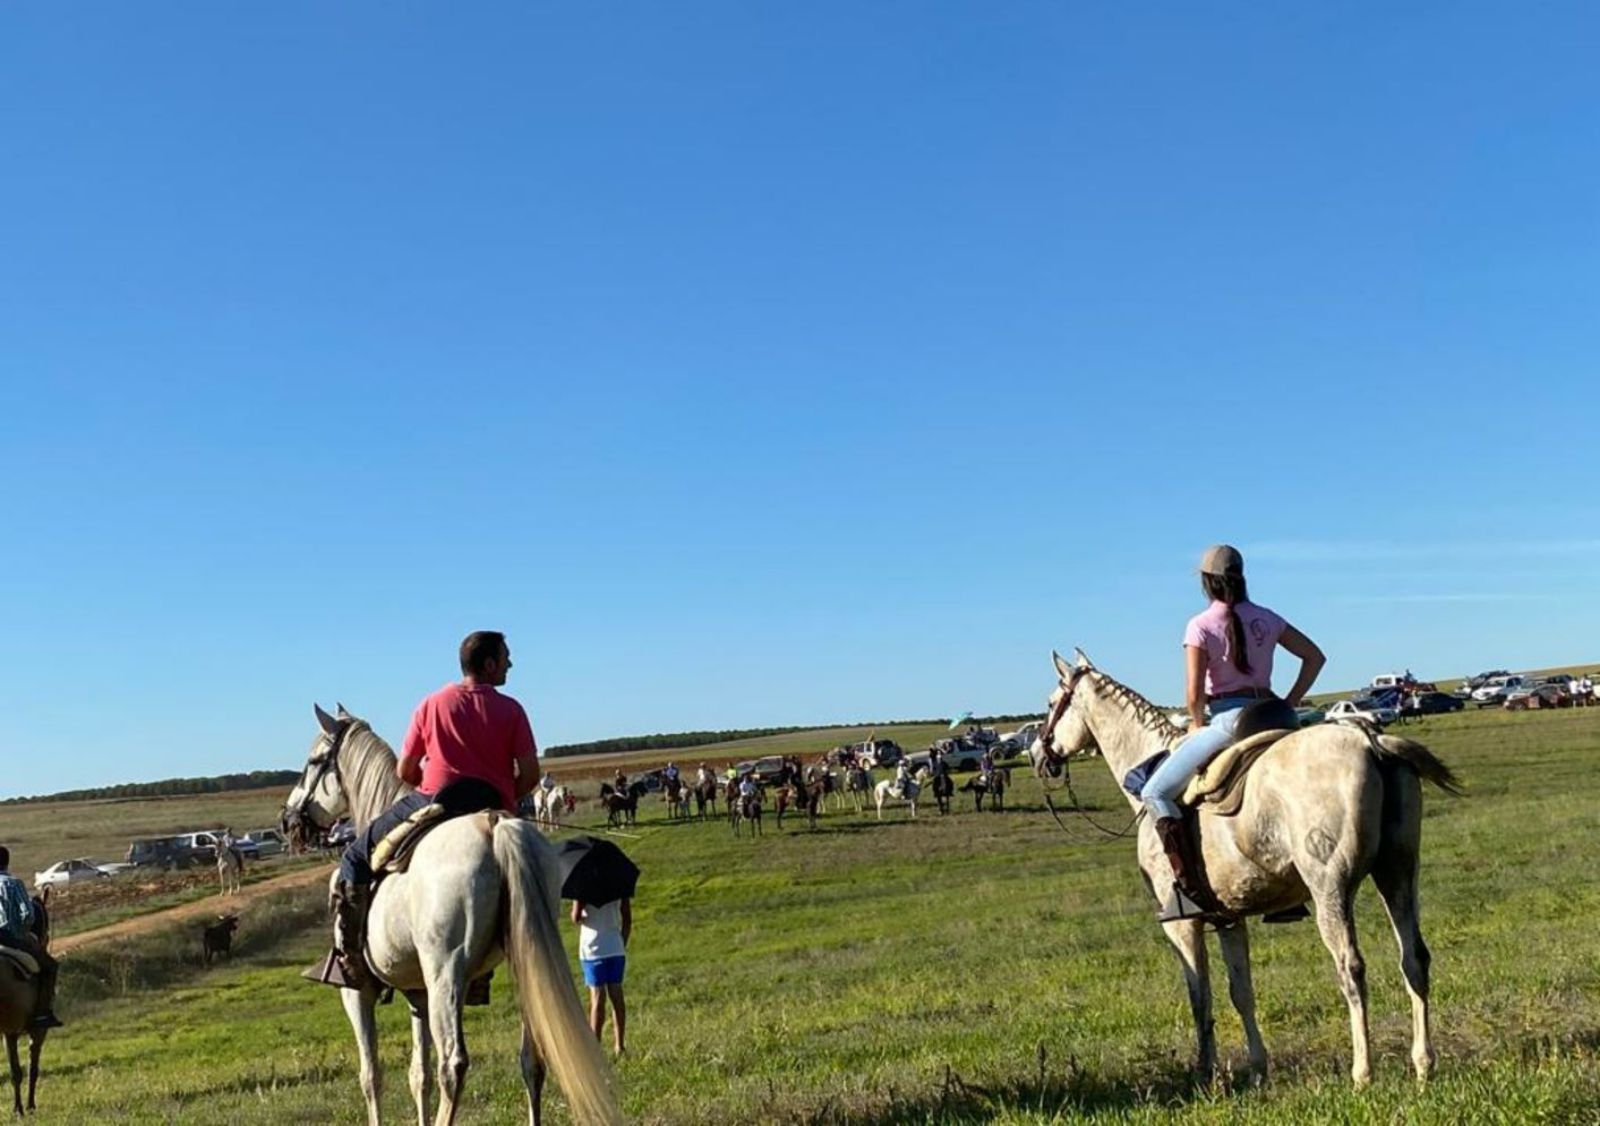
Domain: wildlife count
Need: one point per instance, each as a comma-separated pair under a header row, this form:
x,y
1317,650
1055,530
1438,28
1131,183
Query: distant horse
x,y
858,784
944,787
808,794
229,866
676,793
19,996
548,805
991,785
480,888
730,798
705,794
884,792
1324,808
747,811
621,808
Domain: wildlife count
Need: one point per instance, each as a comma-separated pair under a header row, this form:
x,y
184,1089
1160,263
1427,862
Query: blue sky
x,y
769,364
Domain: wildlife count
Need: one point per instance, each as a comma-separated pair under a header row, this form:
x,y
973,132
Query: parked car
x,y
341,834
1363,710
1564,679
1308,715
878,752
1542,695
64,872
268,842
1473,683
164,852
1388,680
1495,690
1436,703
1018,741
766,770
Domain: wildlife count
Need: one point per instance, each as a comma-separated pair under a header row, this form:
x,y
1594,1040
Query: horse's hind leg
x,y
1395,874
1188,940
1336,921
1235,942
359,1006
533,1072
450,1049
421,1041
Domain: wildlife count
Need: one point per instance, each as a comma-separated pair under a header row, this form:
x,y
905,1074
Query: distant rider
x,y
16,931
902,779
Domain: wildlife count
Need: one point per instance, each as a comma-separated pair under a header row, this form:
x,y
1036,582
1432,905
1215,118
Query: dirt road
x,y
205,908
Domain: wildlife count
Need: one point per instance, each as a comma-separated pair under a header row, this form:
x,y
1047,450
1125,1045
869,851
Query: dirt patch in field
x,y
206,908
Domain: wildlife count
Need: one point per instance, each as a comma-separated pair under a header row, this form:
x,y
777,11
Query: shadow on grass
x,y
1068,1092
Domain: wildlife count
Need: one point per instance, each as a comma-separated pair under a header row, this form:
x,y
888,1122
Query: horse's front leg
x,y
1188,941
1235,941
533,1072
360,1006
421,1041
16,1071
35,1046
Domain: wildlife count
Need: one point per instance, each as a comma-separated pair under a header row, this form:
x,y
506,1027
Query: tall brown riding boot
x,y
346,965
44,1014
1191,896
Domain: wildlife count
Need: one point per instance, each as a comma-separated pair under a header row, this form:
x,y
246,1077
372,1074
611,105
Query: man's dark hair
x,y
481,647
5,857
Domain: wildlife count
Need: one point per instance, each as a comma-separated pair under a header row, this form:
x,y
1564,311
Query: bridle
x,y
1047,744
327,763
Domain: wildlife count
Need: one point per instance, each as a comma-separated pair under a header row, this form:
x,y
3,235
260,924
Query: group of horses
x,y
1325,808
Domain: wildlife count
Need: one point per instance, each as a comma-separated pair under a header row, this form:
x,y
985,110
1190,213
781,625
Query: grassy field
x,y
967,969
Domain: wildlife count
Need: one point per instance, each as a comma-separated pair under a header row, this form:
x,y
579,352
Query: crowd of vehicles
x,y
171,853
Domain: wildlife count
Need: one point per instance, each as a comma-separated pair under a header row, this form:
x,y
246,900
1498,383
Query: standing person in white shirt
x,y
603,932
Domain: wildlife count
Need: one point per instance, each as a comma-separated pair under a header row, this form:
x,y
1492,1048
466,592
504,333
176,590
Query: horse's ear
x,y
328,723
339,710
1083,659
1063,670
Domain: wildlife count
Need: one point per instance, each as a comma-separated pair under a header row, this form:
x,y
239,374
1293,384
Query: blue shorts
x,y
603,971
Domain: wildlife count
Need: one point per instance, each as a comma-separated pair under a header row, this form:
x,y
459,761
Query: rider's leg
x,y
1160,795
352,895
44,1014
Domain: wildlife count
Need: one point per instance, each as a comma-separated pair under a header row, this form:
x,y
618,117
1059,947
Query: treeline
x,y
170,787
257,779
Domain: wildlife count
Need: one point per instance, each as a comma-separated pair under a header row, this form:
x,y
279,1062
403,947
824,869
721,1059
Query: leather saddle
x,y
23,964
458,799
1219,787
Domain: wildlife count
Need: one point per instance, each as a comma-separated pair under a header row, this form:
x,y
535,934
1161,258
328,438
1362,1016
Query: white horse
x,y
229,869
1323,808
548,805
478,889
884,792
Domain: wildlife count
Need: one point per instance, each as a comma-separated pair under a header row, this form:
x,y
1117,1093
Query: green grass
x,y
967,969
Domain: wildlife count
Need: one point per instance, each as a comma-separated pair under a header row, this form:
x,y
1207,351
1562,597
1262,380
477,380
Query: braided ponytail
x,y
1230,588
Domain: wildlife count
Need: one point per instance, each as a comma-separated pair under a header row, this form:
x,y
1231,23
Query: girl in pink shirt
x,y
1228,650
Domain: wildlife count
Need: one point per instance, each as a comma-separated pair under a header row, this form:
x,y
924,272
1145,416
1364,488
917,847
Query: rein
x,y
1047,743
328,762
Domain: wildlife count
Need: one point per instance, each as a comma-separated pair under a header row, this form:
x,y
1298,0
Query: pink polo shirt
x,y
1208,631
469,731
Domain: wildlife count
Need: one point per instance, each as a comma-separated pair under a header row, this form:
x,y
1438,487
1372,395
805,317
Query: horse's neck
x,y
370,782
1124,739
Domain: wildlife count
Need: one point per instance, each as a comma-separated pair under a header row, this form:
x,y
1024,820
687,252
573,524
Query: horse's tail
x,y
1429,767
549,1003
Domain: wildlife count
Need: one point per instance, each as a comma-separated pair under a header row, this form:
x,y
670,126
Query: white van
x,y
1388,680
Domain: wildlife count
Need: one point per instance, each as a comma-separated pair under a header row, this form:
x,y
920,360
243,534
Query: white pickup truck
x,y
1495,690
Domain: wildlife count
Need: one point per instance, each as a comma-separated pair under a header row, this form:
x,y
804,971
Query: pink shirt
x,y
469,731
1208,631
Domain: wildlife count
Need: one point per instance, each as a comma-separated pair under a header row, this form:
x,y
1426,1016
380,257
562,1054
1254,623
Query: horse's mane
x,y
1150,717
366,764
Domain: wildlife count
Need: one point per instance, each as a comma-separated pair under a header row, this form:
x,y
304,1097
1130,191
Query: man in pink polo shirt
x,y
469,748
